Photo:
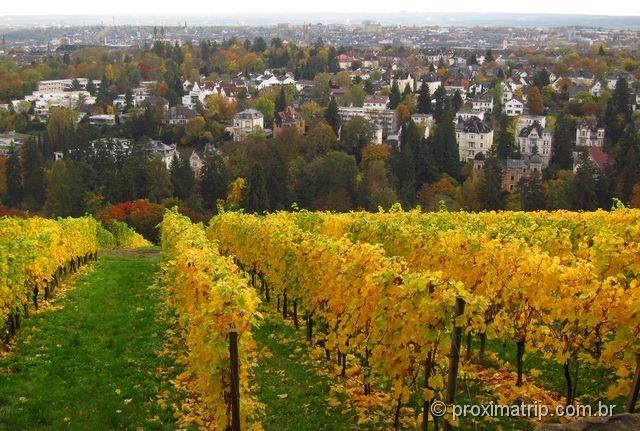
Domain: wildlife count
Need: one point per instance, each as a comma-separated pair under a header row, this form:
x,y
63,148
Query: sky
x,y
168,7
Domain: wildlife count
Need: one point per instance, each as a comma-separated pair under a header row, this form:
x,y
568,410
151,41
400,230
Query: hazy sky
x,y
125,7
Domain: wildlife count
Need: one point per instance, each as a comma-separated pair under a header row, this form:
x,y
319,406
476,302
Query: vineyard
x,y
395,298
388,320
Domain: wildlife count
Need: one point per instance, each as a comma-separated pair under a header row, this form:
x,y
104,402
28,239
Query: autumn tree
x,y
535,103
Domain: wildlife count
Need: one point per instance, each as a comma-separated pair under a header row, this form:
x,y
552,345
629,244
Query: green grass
x,y
90,365
305,408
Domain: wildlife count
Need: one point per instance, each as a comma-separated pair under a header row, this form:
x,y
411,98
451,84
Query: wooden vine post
x,y
454,359
235,379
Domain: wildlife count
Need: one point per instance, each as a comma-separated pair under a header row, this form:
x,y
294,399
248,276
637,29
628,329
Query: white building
x,y
375,101
513,107
535,139
589,134
386,118
246,122
474,137
60,85
483,102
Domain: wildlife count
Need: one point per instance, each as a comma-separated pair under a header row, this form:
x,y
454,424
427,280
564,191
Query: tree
x,y
13,172
456,102
65,190
159,180
532,196
214,180
424,99
535,101
182,178
267,107
312,113
33,175
281,100
444,190
320,139
563,145
356,134
583,191
196,133
441,103
328,182
445,147
332,116
505,147
355,95
61,129
394,98
488,56
277,177
408,163
257,199
541,79
490,193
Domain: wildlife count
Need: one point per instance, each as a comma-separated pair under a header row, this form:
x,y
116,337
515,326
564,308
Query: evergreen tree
x,y
13,173
505,147
532,196
33,175
394,98
584,188
490,193
182,178
407,92
445,147
277,177
456,102
91,87
441,103
424,100
407,166
627,162
563,145
214,180
281,100
332,116
65,190
257,197
488,56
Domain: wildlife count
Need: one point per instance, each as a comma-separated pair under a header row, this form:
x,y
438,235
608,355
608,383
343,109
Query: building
x,y
165,152
386,118
288,119
474,137
61,85
10,139
589,134
513,108
102,120
376,101
515,170
535,139
482,102
180,115
247,122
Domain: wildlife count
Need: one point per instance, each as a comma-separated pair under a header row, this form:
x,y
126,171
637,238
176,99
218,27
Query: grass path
x,y
296,396
90,364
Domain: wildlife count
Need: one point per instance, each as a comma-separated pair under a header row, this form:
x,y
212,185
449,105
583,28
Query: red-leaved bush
x,y
141,215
